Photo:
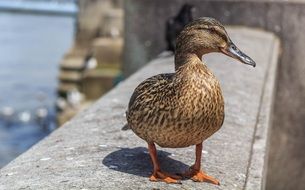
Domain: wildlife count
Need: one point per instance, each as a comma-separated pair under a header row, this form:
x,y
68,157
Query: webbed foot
x,y
165,177
199,176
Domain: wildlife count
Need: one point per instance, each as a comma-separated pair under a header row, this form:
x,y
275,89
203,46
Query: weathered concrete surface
x,y
91,151
285,18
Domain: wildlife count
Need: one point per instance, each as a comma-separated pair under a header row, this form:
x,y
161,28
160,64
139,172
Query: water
x,y
66,7
31,47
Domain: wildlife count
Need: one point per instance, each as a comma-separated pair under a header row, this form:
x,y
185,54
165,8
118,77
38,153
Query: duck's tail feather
x,y
125,127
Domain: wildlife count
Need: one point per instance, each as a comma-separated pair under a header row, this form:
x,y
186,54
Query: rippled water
x,y
31,47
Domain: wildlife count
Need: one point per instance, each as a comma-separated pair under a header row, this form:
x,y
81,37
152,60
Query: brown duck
x,y
184,108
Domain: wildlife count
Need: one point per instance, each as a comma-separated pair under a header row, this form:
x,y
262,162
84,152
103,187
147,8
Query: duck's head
x,y
206,35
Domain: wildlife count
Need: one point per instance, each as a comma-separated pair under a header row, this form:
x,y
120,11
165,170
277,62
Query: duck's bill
x,y
232,51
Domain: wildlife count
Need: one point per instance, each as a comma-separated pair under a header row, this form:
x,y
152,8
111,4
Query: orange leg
x,y
158,175
195,173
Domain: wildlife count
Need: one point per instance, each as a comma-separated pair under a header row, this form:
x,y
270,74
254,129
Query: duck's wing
x,y
152,85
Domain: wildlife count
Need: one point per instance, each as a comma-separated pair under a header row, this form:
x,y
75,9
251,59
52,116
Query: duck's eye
x,y
212,29
233,47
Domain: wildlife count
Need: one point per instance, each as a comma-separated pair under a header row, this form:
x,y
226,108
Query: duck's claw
x,y
199,176
203,177
165,177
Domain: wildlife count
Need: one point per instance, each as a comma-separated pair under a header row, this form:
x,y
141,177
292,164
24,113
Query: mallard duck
x,y
184,108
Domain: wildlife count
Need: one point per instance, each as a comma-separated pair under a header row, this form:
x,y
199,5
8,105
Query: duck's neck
x,y
186,58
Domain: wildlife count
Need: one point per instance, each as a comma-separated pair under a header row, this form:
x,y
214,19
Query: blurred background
x,y
34,36
59,56
53,64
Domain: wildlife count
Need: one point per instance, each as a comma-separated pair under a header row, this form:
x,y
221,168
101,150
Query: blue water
x,y
66,7
31,47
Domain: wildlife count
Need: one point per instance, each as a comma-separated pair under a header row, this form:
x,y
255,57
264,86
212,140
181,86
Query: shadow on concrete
x,y
137,161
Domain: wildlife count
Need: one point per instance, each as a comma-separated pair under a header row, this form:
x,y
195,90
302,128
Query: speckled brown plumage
x,y
186,107
177,110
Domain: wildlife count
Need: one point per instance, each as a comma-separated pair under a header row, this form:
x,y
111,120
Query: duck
x,y
184,108
174,25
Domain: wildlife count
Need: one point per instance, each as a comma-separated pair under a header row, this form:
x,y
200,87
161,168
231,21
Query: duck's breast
x,y
199,111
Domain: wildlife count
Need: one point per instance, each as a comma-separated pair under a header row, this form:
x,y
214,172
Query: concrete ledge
x,y
91,152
